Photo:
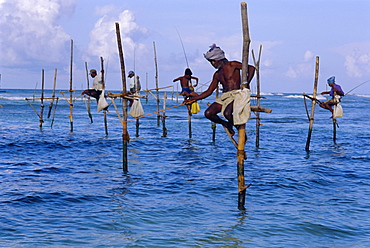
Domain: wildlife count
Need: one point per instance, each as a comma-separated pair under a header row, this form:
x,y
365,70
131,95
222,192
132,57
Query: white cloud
x,y
357,64
356,58
308,55
103,38
302,69
29,30
291,72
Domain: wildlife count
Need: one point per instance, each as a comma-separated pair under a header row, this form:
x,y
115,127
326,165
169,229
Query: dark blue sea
x,y
67,189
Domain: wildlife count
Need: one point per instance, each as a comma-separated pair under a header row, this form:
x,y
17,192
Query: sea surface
x,y
68,189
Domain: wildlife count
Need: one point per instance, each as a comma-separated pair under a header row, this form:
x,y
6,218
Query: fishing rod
x,y
357,86
183,49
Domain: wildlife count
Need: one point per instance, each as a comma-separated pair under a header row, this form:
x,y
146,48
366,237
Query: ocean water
x,y
67,189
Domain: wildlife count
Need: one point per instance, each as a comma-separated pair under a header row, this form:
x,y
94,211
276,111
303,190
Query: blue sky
x,y
36,34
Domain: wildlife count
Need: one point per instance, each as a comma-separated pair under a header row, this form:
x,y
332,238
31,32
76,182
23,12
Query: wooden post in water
x,y
156,84
164,115
313,105
55,109
88,97
189,124
242,135
125,136
335,130
71,90
214,126
146,92
137,125
53,93
258,119
42,98
104,110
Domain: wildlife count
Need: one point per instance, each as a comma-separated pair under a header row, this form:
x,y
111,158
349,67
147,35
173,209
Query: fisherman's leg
x,y
211,114
325,105
228,113
331,109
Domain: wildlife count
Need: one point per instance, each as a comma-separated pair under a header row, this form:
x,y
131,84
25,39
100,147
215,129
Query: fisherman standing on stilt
x,y
336,93
234,103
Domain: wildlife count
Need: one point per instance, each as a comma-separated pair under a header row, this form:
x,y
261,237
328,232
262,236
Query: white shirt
x,y
98,82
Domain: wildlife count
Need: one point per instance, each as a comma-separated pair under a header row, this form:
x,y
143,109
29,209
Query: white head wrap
x,y
215,53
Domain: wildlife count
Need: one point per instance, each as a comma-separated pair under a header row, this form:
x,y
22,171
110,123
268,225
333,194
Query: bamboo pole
x,y
313,105
156,84
70,90
125,136
164,115
258,119
53,94
105,110
42,98
242,135
88,97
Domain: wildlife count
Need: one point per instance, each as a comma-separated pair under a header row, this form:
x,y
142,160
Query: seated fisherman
x,y
336,90
185,82
186,85
98,85
228,74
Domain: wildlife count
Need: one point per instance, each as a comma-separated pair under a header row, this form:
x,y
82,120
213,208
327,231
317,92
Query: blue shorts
x,y
186,90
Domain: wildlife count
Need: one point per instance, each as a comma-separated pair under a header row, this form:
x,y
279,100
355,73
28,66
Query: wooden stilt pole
x,y
189,124
42,98
156,84
242,136
214,126
55,109
105,110
146,92
164,115
313,105
258,119
88,97
53,94
137,125
125,136
335,130
71,90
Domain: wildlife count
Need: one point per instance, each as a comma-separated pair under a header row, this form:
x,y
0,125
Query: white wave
x,y
266,94
293,96
320,97
361,95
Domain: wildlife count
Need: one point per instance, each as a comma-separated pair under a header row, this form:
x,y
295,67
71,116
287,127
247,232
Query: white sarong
x,y
241,106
